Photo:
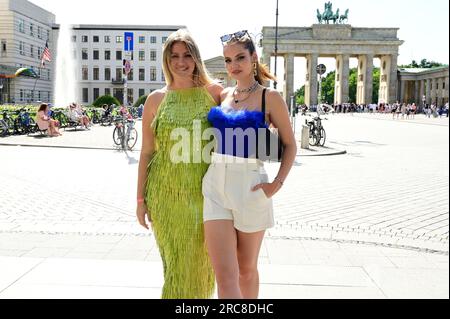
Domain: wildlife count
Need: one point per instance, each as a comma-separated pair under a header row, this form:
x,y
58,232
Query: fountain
x,y
65,82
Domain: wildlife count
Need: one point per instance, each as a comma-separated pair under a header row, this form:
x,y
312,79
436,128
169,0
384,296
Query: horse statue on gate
x,y
319,16
328,14
344,17
335,17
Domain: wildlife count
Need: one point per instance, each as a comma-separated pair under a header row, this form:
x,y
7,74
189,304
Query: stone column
x,y
428,92
383,93
265,59
368,83
311,79
417,92
288,78
365,79
440,93
342,74
422,93
393,78
433,90
446,89
403,91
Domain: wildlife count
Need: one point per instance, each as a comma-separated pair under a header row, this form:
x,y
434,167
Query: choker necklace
x,y
249,91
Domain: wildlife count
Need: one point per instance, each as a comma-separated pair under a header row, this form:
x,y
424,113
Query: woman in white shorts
x,y
238,205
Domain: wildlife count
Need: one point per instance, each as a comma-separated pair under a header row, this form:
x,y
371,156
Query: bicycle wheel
x,y
313,137
323,137
3,128
117,136
132,138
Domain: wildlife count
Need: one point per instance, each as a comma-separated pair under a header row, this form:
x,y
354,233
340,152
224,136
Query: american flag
x,y
46,55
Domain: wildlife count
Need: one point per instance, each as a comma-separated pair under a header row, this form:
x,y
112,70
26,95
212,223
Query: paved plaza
x,y
372,222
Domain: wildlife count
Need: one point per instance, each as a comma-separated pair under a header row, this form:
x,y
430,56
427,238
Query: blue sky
x,y
424,25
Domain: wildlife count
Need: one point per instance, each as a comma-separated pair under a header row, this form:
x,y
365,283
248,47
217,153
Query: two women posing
x,y
209,219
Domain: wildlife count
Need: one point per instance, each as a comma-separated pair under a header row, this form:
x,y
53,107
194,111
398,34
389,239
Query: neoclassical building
x,y
341,42
424,86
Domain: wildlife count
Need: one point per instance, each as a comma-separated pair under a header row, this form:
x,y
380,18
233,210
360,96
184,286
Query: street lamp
x,y
276,48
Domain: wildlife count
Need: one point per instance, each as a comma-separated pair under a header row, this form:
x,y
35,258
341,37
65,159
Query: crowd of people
x,y
76,113
398,110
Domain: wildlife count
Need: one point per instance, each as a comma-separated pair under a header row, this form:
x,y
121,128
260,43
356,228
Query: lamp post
x,y
276,48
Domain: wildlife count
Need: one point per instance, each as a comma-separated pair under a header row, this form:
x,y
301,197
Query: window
x,y
131,75
163,77
119,39
32,51
22,94
153,74
96,74
141,92
107,55
96,38
107,39
84,38
21,25
164,39
39,32
141,55
74,38
84,54
153,39
96,55
85,95
48,35
107,74
32,29
118,55
141,74
118,74
96,93
130,96
84,74
141,39
3,48
152,55
107,91
22,48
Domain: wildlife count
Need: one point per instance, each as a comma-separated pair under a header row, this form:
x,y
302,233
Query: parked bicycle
x,y
317,134
125,135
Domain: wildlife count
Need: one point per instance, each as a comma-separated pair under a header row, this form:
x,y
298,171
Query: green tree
x,y
105,99
424,64
140,100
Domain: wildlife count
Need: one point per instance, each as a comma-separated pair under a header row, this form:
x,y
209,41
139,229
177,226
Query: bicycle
x,y
317,134
124,134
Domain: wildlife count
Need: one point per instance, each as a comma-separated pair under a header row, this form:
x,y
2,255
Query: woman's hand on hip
x,y
143,215
269,189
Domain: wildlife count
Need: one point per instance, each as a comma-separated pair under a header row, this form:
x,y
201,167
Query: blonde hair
x,y
200,75
262,71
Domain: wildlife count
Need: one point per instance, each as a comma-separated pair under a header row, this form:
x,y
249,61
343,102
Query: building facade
x,y
98,51
424,86
24,30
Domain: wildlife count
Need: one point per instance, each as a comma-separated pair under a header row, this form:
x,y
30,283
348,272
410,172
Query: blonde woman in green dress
x,y
169,194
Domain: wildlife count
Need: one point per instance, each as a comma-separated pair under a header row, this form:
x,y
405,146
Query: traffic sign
x,y
128,44
321,69
127,66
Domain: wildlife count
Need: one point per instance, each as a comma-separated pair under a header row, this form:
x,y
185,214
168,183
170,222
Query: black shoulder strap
x,y
263,106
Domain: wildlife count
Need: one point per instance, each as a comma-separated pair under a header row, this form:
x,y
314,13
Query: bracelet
x,y
279,180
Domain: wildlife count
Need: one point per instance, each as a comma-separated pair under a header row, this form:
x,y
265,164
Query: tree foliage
x,y
424,64
328,87
106,99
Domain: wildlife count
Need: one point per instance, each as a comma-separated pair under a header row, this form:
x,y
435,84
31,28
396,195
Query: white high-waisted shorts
x,y
227,190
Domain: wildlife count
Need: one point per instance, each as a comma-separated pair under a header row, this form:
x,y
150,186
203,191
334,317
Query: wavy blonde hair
x,y
200,75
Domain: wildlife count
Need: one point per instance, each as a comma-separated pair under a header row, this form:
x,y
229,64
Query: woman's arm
x,y
148,148
279,117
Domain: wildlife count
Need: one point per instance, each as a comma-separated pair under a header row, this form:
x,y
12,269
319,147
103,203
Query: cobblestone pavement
x,y
390,189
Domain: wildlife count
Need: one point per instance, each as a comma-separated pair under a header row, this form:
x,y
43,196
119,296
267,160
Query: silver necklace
x,y
249,91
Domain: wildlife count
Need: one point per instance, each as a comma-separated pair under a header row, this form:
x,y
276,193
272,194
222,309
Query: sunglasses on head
x,y
237,35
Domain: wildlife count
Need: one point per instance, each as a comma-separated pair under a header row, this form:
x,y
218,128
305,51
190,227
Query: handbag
x,y
269,146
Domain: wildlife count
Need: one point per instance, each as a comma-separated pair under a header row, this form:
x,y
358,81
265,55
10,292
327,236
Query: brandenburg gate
x,y
342,42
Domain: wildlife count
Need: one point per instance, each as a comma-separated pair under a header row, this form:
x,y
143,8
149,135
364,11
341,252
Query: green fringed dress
x,y
174,197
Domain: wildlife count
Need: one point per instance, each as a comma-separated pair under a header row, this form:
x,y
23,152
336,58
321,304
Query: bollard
x,y
305,137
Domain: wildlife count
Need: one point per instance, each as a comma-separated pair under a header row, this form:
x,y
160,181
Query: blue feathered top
x,y
236,131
